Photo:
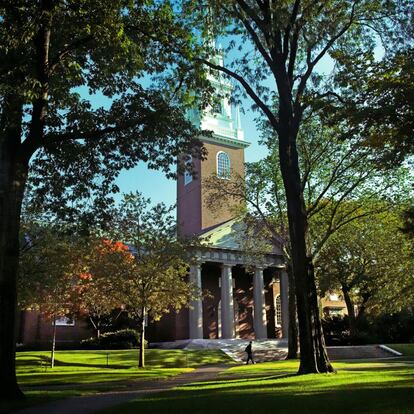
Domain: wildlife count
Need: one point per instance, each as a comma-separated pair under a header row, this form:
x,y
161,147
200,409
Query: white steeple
x,y
219,117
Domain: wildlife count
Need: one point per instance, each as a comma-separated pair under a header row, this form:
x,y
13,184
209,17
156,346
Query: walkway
x,y
92,403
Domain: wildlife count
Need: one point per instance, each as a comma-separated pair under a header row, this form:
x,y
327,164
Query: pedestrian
x,y
248,350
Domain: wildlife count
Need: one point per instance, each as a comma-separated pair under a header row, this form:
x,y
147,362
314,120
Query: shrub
x,y
336,330
123,339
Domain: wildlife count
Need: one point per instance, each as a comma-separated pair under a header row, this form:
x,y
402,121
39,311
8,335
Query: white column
x,y
227,308
196,305
259,322
284,297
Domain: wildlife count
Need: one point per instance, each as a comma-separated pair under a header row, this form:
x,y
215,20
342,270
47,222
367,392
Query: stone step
x,y
360,352
265,350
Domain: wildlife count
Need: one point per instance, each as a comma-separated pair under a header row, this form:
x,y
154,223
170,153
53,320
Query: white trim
x,y
217,165
390,350
188,177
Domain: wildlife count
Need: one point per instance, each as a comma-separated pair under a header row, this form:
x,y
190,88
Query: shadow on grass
x,y
375,399
236,382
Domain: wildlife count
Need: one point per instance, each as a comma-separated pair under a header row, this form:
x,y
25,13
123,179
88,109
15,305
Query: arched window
x,y
188,177
278,311
223,165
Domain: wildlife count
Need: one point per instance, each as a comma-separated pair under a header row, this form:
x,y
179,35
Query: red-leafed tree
x,y
147,273
91,300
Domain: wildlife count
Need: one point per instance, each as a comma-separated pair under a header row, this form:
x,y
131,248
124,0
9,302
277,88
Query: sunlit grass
x,y
88,372
88,367
378,387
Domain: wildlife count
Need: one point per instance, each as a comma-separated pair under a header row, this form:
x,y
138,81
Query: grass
x,y
91,367
87,372
406,349
375,387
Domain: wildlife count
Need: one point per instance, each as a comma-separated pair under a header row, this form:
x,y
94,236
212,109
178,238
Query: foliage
x,y
90,298
147,273
371,262
79,148
386,327
376,102
123,339
341,182
48,270
149,268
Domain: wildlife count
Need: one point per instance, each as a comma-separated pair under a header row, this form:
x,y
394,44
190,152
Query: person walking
x,y
249,353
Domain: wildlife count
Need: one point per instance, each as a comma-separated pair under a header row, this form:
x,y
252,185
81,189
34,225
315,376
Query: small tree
x,y
48,275
147,272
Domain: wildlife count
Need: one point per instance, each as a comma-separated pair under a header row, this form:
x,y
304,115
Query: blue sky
x,y
155,185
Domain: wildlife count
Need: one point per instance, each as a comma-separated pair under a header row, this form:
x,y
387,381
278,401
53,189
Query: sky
x,y
155,185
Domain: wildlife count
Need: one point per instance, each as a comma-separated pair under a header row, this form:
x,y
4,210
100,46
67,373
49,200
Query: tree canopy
x,y
370,261
54,58
144,266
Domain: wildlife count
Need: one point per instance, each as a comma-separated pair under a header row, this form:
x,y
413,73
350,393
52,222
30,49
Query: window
x,y
188,177
278,311
223,165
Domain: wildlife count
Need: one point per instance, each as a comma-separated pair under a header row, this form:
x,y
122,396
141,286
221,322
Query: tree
x,y
370,261
146,272
285,43
92,300
376,104
341,182
50,52
47,275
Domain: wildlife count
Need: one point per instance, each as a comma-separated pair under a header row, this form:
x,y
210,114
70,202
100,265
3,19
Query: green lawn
x,y
382,387
376,387
86,372
406,349
83,367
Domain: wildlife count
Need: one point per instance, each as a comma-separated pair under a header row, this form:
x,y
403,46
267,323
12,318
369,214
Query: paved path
x,y
93,403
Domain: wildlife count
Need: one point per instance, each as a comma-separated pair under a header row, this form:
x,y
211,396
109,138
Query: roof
x,y
228,236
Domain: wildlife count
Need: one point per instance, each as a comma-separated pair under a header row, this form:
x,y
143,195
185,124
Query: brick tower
x,y
225,149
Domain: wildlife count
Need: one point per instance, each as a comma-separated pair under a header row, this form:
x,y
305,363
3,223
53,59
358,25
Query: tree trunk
x,y
351,312
313,355
13,175
142,339
322,358
293,326
52,355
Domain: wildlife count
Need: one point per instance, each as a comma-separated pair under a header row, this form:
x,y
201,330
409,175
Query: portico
x,y
244,300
